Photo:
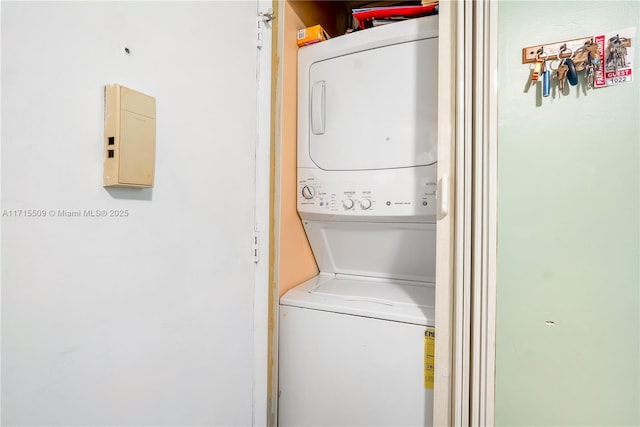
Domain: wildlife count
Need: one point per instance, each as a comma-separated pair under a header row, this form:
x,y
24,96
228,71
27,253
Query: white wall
x,y
143,320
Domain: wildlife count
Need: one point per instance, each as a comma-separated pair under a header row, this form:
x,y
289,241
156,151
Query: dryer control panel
x,y
409,192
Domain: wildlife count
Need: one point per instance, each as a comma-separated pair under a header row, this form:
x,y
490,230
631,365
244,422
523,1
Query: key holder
x,y
601,60
530,53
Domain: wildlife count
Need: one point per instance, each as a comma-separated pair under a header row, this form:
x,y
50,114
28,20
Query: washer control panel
x,y
396,192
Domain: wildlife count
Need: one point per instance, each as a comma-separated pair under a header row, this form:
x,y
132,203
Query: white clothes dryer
x,y
351,340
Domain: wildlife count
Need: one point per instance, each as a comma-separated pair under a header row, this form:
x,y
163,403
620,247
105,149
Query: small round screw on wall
x,y
127,51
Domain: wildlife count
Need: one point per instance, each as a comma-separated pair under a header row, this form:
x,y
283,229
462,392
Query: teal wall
x,y
568,230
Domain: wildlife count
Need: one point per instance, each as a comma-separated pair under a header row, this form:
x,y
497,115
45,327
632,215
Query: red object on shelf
x,y
365,15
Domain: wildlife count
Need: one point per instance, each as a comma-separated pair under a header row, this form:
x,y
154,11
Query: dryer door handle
x,y
317,108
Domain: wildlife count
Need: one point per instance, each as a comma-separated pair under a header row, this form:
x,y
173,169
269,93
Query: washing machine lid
x,y
395,300
375,109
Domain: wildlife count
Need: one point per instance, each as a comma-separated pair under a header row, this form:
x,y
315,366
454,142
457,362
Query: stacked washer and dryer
x,y
351,340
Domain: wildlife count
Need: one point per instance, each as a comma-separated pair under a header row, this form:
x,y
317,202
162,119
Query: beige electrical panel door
x,y
130,137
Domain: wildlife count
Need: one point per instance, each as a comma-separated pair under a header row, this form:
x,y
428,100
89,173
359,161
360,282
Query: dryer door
x,y
375,109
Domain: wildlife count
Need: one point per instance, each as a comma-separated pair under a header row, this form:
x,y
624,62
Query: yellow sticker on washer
x,y
429,357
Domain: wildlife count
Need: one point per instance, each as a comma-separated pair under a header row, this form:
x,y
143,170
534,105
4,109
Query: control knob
x,y
348,204
308,192
365,204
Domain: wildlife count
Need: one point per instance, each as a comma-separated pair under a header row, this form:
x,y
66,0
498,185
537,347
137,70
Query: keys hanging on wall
x,y
589,62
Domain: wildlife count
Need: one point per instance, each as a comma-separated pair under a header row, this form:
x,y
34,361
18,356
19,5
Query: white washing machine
x,y
352,339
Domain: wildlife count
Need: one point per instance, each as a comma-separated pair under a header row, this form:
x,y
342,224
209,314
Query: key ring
x,y
542,53
539,57
539,53
556,59
563,49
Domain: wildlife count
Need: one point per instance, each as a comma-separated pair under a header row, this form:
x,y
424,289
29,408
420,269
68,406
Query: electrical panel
x,y
129,138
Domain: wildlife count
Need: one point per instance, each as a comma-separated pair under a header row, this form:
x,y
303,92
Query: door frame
x,y
262,311
485,174
467,224
446,344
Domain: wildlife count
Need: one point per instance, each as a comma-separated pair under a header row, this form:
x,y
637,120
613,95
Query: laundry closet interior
x,y
355,220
